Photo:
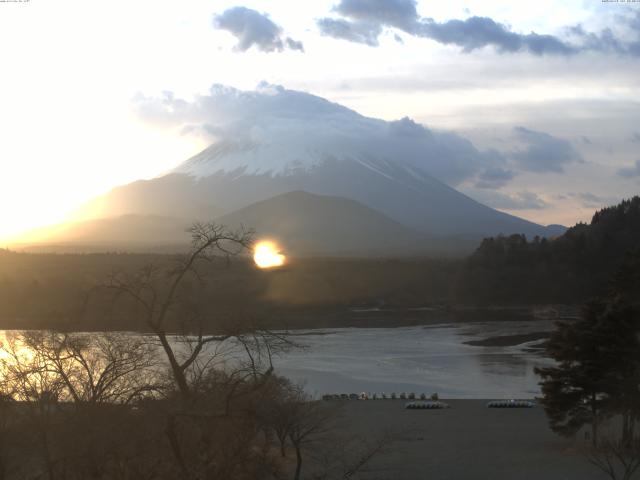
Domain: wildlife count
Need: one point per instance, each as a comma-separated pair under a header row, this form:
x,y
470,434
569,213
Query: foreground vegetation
x,y
187,406
596,379
104,407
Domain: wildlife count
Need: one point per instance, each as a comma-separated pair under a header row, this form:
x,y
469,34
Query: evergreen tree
x,y
598,361
574,392
568,269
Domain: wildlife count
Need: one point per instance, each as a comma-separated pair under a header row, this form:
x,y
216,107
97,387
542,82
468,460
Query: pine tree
x,y
574,392
598,364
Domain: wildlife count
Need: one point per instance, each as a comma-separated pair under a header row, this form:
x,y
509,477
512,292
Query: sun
x,y
266,254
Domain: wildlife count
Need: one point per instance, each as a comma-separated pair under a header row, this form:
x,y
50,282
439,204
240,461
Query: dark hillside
x,y
48,290
569,268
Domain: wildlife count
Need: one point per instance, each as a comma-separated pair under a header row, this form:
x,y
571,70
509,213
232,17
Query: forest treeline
x,y
568,269
58,290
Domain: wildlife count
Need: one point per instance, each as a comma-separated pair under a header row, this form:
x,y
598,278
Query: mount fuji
x,y
273,141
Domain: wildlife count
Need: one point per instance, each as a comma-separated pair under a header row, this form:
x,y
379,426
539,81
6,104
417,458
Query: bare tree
x,y
619,458
30,381
6,423
160,293
99,367
310,420
317,435
215,375
209,421
367,452
45,373
276,413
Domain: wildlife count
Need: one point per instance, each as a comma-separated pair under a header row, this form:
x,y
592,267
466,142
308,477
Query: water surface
x,y
417,359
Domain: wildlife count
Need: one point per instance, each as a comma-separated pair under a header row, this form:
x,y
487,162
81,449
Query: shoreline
x,y
314,318
509,340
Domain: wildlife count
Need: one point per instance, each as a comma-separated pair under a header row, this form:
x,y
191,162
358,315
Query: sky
x,y
547,91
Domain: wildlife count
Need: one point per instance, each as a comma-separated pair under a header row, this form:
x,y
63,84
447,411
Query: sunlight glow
x,y
266,255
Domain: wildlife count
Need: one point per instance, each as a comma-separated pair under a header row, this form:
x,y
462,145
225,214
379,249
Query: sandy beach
x,y
467,441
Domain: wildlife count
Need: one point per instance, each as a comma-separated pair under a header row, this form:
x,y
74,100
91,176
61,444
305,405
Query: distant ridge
x,y
305,223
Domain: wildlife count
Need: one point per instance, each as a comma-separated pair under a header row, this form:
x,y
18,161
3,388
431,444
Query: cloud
x,y
606,40
358,32
524,200
543,152
363,21
274,115
591,200
401,14
294,44
629,172
494,177
406,127
478,32
635,137
254,28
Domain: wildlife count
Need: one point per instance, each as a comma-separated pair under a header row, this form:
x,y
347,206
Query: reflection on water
x,y
419,359
413,359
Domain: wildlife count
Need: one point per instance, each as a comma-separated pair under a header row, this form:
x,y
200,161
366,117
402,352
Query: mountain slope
x,y
124,231
273,141
304,223
408,195
414,199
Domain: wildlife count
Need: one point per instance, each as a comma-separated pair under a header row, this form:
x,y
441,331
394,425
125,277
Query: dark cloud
x,y
475,32
494,177
294,44
401,14
606,40
363,21
543,152
254,28
358,32
629,172
478,32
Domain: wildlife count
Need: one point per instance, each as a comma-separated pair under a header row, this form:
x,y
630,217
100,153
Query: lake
x,y
419,359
